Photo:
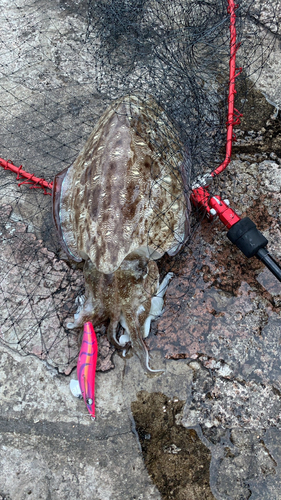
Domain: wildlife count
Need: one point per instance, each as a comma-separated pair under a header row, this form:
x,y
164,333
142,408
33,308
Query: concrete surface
x,y
51,449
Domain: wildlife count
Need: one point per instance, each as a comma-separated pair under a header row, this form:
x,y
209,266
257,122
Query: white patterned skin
x,y
120,206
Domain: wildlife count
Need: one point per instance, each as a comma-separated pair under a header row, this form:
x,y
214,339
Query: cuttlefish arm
x,y
157,304
136,321
134,331
91,306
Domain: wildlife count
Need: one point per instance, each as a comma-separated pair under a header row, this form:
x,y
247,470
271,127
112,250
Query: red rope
x,y
26,178
200,197
233,115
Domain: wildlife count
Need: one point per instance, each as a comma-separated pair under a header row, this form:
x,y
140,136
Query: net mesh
x,y
62,64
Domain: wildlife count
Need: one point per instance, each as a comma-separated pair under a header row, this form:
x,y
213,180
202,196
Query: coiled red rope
x,y
27,178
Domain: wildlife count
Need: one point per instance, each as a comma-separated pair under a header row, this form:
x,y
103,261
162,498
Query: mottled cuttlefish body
x,y
120,206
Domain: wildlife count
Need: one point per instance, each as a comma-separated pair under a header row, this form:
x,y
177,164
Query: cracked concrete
x,y
51,449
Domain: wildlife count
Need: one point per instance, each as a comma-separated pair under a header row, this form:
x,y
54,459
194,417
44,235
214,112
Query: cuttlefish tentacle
x,y
134,330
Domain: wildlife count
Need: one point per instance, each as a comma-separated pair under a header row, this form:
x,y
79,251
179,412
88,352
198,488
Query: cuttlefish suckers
x,y
120,206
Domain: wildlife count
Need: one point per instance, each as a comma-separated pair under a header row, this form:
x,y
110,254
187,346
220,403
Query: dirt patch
x,y
176,459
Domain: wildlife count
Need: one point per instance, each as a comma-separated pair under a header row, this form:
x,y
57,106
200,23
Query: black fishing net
x,y
62,64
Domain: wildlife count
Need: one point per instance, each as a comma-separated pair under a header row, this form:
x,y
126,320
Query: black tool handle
x,y
245,235
269,262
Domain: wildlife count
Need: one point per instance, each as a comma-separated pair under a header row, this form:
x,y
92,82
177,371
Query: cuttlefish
x,y
119,207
